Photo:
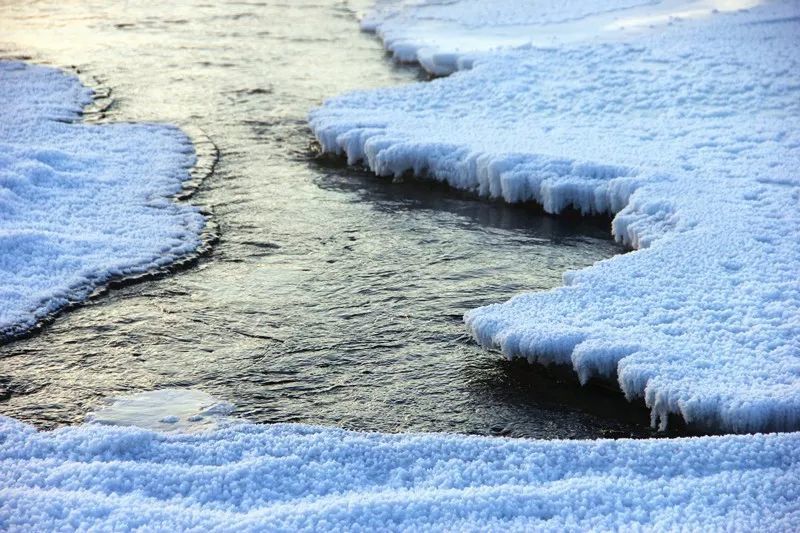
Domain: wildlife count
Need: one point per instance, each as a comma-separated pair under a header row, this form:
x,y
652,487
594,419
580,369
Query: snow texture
x,y
293,477
81,204
446,35
687,133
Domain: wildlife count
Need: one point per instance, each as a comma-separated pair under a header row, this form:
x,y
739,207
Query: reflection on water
x,y
332,297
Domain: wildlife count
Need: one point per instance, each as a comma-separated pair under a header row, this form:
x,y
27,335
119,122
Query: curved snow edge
x,y
199,159
671,377
555,184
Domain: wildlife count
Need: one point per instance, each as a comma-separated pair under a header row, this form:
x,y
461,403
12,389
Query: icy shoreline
x,y
295,477
686,133
84,205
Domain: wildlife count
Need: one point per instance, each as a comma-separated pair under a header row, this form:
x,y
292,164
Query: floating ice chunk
x,y
178,410
81,204
294,477
687,134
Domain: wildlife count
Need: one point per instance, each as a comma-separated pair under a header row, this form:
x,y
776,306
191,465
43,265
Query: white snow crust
x,y
447,35
292,477
689,136
687,133
81,204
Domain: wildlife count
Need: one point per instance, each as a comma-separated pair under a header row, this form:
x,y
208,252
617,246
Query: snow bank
x,y
294,477
81,204
688,133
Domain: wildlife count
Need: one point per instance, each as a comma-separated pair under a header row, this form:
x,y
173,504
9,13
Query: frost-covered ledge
x,y
81,204
687,133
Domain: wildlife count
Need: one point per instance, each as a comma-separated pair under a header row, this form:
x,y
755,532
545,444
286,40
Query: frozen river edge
x,y
139,227
291,477
686,137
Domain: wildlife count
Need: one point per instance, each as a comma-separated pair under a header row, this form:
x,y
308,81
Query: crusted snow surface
x,y
292,477
689,135
81,204
447,35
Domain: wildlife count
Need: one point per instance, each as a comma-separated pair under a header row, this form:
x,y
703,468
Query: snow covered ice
x,y
687,133
291,477
444,36
81,204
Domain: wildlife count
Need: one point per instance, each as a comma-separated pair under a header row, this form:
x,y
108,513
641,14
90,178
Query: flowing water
x,y
332,296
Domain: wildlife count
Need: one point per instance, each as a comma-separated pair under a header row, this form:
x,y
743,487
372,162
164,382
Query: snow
x,y
687,133
81,204
285,477
444,36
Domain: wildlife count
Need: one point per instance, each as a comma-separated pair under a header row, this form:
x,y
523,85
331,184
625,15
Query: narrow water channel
x,y
332,297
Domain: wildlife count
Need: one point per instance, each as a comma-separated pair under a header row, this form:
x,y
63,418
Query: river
x,y
331,296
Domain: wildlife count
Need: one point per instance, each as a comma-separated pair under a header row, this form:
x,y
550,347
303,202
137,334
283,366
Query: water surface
x,y
332,296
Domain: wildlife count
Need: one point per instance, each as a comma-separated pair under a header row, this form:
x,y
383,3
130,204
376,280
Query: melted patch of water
x,y
165,410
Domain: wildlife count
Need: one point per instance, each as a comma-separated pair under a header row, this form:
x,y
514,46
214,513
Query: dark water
x,y
332,297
